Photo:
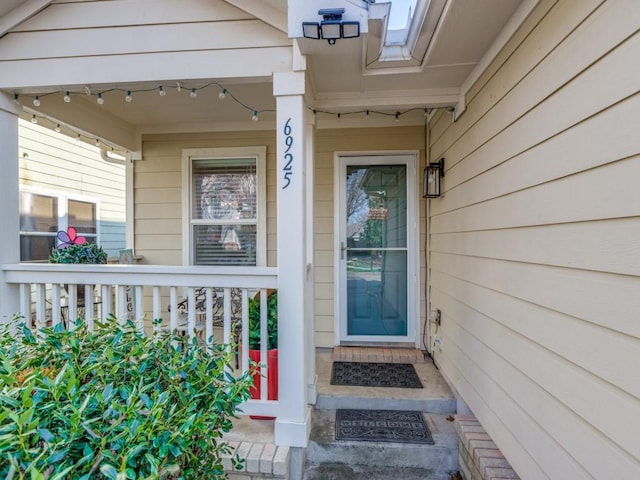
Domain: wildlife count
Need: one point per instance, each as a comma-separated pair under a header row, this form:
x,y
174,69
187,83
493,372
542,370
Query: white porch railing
x,y
210,302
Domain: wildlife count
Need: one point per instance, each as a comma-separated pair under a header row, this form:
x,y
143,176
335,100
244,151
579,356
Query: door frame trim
x,y
413,247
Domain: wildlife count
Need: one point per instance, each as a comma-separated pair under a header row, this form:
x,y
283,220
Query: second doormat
x,y
382,426
362,374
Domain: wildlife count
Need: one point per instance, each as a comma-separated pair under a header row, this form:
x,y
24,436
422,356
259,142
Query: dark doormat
x,y
382,426
361,374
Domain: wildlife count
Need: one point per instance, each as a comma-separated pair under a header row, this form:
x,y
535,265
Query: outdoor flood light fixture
x,y
332,26
433,174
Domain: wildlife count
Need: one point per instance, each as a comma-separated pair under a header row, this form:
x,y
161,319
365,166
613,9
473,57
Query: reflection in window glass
x,y
82,215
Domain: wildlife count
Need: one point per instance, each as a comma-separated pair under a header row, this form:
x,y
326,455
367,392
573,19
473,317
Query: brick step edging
x,y
480,458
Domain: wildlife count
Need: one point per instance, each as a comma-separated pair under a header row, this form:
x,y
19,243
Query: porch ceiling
x,y
450,39
119,123
447,40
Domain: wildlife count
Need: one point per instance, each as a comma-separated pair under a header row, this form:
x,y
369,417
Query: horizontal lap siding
x,y
535,260
158,191
210,38
327,143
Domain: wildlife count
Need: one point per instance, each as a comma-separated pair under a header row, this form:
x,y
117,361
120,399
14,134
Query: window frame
x,y
259,153
62,214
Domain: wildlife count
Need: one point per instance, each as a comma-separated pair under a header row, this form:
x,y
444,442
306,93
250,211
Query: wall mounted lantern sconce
x,y
432,180
332,26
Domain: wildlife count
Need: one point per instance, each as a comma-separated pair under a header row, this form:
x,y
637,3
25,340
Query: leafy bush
x,y
84,253
113,403
272,322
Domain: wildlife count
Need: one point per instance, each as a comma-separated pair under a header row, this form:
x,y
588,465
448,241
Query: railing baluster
x,y
88,306
138,302
25,302
97,301
263,345
106,301
245,330
226,309
72,304
173,304
191,311
41,305
156,303
55,304
121,311
208,316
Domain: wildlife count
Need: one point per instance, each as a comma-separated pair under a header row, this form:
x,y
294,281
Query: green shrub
x,y
114,404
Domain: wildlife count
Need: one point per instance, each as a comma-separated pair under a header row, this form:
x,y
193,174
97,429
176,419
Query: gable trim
x,y
21,13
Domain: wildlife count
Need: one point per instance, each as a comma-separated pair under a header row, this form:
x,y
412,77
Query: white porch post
x,y
9,203
312,392
293,423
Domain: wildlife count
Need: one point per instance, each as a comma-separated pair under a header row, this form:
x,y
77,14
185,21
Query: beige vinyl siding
x,y
56,163
327,143
123,27
158,190
118,33
535,259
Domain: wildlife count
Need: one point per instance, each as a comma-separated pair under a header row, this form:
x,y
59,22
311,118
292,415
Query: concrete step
x,y
325,452
343,401
436,396
358,472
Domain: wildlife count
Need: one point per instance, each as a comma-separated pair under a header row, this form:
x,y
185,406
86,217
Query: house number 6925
x,y
288,157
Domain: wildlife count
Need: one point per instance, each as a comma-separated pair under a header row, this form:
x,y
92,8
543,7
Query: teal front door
x,y
376,249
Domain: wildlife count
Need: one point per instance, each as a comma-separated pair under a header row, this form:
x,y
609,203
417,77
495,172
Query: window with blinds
x,y
224,211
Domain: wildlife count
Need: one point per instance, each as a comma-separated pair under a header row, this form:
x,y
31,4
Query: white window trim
x,y
260,154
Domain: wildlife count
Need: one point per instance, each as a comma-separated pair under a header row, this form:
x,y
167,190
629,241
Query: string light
x,y
34,119
36,101
57,129
162,91
370,113
223,93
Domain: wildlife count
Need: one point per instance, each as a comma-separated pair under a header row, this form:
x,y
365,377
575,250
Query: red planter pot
x,y
272,377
